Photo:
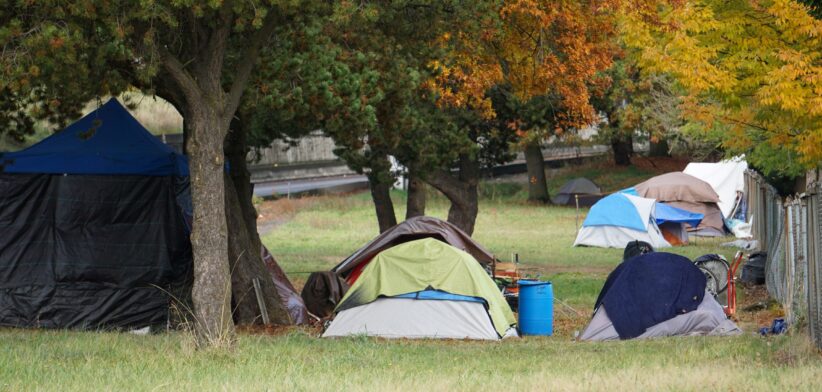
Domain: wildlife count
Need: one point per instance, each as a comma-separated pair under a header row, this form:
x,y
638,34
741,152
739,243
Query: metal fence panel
x,y
814,291
791,233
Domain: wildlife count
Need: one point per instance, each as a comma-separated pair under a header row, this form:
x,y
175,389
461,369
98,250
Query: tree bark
x,y
211,292
380,181
537,184
246,265
623,147
244,243
461,191
658,149
415,205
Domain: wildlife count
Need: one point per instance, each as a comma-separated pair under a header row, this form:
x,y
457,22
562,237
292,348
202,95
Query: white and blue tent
x,y
618,219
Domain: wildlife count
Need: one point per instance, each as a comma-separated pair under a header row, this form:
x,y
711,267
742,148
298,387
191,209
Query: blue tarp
x,y
648,289
615,210
666,213
440,296
107,141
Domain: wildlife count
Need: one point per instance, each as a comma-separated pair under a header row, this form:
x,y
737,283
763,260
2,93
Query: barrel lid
x,y
531,282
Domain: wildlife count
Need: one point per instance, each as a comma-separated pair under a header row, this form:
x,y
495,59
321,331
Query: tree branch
x,y
249,60
444,182
178,73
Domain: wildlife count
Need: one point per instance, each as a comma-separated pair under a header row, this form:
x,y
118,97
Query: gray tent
x,y
583,188
708,319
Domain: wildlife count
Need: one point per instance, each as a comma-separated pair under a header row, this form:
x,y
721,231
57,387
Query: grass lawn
x,y
316,233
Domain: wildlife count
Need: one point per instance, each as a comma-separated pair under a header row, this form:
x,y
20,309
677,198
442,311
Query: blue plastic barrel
x,y
536,308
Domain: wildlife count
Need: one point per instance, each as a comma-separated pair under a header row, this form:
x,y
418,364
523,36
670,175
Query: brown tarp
x,y
689,193
288,294
414,229
322,292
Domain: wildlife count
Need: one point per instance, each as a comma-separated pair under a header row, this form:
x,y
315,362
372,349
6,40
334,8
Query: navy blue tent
x,y
648,289
91,234
106,141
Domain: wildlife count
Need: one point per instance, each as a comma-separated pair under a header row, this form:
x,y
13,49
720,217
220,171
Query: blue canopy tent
x,y
108,141
93,236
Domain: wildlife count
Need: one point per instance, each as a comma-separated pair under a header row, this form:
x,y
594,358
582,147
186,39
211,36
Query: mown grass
x,y
68,361
317,233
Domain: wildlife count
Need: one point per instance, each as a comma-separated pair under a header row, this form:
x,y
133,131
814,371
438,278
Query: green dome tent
x,y
423,289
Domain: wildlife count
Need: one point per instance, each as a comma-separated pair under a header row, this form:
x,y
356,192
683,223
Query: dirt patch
x,y
659,164
314,329
274,213
755,308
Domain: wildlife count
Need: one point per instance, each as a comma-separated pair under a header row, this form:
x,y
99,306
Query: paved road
x,y
314,185
354,182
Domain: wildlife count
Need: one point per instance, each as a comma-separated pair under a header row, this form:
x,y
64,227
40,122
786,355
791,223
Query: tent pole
x,y
576,200
263,310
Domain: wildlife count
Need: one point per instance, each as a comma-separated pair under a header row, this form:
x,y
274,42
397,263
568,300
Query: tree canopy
x,y
751,73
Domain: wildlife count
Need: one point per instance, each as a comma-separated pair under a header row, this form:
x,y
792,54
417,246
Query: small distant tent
x,y
654,295
580,188
689,193
727,178
423,289
618,219
412,229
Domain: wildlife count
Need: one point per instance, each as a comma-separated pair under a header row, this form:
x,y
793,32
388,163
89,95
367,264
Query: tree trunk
x,y
244,243
535,163
380,182
658,149
211,292
461,191
246,265
623,147
415,206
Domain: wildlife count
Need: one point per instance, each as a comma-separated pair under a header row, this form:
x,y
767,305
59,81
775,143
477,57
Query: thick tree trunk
x,y
415,205
247,265
461,191
244,241
211,292
535,163
658,149
380,182
623,147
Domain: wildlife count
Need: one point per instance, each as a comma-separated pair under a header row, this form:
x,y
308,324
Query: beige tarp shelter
x,y
689,193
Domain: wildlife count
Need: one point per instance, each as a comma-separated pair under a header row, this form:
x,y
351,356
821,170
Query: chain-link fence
x,y
814,264
791,233
765,206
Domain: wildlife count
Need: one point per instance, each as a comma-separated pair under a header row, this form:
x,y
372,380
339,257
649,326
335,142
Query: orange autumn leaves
x,y
535,47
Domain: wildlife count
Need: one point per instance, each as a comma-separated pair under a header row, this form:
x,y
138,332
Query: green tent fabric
x,y
428,264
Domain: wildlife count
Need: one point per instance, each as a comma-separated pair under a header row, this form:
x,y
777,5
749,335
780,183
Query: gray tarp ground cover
x,y
707,320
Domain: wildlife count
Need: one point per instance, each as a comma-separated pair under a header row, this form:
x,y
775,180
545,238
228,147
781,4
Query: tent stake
x,y
258,290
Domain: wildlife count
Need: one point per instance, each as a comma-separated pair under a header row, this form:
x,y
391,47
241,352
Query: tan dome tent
x,y
689,193
584,189
412,229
